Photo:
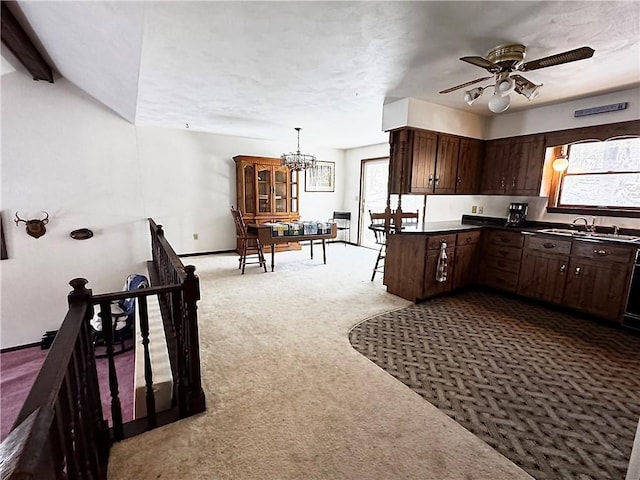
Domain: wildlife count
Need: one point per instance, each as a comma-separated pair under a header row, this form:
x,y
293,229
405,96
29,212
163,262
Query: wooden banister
x,y
60,431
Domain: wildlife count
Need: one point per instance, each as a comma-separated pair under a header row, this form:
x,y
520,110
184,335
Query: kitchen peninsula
x,y
590,273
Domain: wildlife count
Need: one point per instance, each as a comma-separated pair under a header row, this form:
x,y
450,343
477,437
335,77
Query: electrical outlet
x,y
195,236
480,209
474,209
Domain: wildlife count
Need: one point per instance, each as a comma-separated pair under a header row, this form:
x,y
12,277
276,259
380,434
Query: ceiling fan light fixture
x,y
505,85
499,103
531,91
472,95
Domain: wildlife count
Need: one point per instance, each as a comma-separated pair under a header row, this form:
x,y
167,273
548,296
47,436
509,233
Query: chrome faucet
x,y
588,228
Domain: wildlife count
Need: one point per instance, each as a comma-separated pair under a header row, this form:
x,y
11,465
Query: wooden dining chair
x,y
249,243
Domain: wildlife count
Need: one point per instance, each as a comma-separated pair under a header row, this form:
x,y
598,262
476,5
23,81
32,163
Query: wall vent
x,y
614,107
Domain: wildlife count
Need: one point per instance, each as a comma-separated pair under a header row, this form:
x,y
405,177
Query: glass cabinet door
x,y
281,194
249,189
264,189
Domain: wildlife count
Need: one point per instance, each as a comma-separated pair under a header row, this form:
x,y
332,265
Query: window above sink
x,y
600,178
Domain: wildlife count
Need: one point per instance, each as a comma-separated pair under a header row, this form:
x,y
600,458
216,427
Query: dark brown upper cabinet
x,y
424,162
513,166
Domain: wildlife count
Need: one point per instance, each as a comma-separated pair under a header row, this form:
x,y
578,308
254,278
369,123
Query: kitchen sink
x,y
595,235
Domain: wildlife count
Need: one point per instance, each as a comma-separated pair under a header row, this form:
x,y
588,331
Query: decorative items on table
x,y
292,229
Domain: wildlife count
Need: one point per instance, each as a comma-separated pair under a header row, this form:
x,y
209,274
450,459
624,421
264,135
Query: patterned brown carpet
x,y
557,394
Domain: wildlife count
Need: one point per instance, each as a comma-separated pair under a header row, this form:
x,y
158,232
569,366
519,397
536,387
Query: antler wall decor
x,y
35,228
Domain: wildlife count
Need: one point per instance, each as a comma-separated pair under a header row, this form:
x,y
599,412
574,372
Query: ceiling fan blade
x,y
558,59
482,63
457,87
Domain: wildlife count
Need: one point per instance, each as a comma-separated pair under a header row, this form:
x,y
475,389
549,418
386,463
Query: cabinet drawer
x,y
499,279
603,252
511,239
468,237
548,245
500,263
504,253
434,241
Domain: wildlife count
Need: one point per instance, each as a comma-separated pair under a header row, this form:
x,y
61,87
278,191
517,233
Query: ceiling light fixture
x,y
499,103
504,86
298,161
472,95
526,88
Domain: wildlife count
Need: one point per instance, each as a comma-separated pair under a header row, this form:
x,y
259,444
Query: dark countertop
x,y
478,222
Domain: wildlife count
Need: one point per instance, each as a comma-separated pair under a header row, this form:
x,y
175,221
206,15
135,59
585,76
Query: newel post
x,y
191,295
79,295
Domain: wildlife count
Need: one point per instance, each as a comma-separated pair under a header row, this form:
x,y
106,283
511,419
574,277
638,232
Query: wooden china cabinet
x,y
267,192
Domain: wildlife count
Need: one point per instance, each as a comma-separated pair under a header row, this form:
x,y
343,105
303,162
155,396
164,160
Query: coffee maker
x,y
517,214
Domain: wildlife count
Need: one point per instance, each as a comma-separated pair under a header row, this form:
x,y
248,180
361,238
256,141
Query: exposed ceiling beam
x,y
18,42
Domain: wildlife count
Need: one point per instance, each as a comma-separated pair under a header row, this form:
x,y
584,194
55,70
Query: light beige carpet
x,y
287,395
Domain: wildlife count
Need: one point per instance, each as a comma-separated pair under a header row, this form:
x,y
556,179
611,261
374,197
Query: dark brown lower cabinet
x,y
583,275
411,263
598,288
467,257
501,256
542,276
432,286
544,268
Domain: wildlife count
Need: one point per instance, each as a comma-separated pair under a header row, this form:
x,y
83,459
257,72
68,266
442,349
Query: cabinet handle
x,y
469,239
601,252
502,182
549,245
577,272
513,183
430,179
437,179
459,179
563,267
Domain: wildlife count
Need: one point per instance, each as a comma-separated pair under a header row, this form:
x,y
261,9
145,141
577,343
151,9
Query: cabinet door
x,y
542,276
495,168
400,159
469,158
528,162
446,164
424,161
281,188
431,285
265,184
247,189
597,288
465,271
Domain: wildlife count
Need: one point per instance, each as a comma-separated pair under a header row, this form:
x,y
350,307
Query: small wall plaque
x,y
81,234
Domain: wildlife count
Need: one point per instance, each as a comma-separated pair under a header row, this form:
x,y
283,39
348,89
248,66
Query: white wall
x,y
411,112
560,116
65,153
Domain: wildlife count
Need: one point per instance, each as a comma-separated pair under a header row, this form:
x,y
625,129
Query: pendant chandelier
x,y
298,161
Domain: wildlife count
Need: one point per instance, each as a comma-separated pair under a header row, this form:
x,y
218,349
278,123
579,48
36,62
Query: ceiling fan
x,y
503,62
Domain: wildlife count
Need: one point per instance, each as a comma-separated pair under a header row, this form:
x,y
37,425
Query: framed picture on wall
x,y
321,178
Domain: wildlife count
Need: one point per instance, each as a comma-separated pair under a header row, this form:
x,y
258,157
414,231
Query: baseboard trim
x,y
199,254
19,347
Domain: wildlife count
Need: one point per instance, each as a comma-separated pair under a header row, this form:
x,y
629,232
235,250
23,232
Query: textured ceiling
x,y
259,69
